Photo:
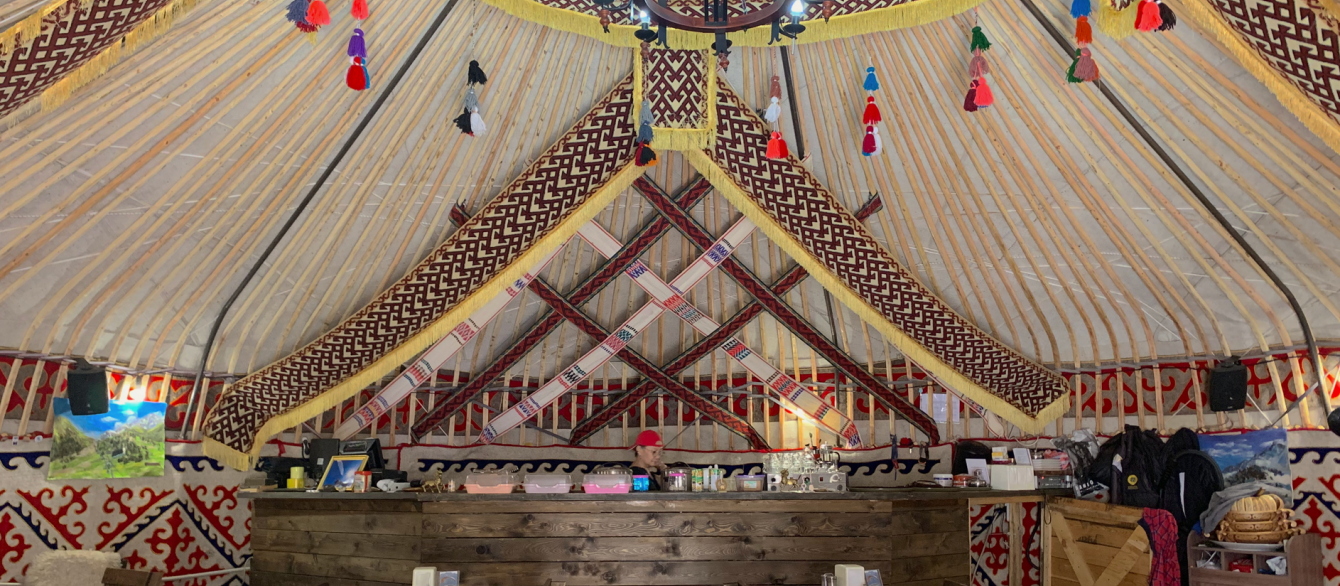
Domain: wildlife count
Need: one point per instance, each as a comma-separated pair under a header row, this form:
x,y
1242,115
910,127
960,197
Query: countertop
x,y
898,494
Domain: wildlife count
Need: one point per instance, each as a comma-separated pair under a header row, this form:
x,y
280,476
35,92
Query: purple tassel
x,y
356,46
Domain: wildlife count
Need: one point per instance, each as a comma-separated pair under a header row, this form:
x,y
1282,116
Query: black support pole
x,y
306,200
795,105
1205,202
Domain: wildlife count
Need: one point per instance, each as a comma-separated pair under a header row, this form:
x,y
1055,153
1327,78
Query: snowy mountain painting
x,y
1253,456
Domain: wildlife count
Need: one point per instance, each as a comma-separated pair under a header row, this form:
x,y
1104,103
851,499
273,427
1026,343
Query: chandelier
x,y
716,17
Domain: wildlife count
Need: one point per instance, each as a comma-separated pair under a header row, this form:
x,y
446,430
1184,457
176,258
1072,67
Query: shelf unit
x,y
1304,563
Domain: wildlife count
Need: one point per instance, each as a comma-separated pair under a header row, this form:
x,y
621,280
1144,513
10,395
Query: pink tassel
x,y
1086,69
978,66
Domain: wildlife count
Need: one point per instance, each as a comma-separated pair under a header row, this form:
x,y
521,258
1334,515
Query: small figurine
x,y
434,485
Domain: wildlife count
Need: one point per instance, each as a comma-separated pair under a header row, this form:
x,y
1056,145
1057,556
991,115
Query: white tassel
x,y
774,112
477,127
879,143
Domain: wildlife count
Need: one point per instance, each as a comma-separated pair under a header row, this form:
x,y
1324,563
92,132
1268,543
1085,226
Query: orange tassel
x,y
317,13
1083,32
984,98
359,10
777,146
872,115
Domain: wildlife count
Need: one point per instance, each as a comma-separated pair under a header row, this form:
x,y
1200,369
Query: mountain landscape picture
x,y
1253,456
128,441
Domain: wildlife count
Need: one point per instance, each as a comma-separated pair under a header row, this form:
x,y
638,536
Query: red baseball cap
x,y
649,438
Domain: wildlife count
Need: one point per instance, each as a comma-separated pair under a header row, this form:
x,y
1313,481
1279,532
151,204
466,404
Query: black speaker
x,y
87,389
1228,385
1334,420
319,451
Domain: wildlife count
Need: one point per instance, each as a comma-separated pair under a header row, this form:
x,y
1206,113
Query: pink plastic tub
x,y
607,483
490,483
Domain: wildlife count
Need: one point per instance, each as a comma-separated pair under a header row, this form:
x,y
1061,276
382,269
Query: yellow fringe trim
x,y
1313,116
910,348
1117,24
704,136
907,15
431,334
60,92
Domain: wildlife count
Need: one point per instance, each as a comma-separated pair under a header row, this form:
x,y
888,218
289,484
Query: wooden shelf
x,y
1303,553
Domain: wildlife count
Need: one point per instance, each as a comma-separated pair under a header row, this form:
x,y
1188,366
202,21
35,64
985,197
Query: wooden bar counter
x,y
916,537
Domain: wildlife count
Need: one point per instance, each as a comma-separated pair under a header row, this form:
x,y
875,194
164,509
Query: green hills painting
x,y
128,441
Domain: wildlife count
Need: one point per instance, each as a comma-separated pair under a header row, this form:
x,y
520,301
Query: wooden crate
x,y
1095,544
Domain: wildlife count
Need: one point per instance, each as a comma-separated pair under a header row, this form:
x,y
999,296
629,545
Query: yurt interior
x,y
670,292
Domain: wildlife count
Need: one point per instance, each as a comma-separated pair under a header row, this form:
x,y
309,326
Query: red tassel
x,y
359,9
317,13
777,146
872,115
1148,18
970,100
355,78
984,98
868,144
1083,32
645,156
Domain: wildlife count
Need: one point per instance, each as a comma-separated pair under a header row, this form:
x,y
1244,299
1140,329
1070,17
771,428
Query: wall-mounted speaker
x,y
87,389
1228,385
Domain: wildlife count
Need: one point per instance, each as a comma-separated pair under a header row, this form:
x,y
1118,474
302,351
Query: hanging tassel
x,y
872,115
359,10
970,99
471,100
1168,17
477,127
367,78
871,82
869,143
1084,68
356,78
773,112
463,122
1083,31
476,75
645,119
1080,8
644,156
1147,18
978,66
775,88
979,42
879,143
307,28
297,11
356,46
317,13
984,97
311,36
777,146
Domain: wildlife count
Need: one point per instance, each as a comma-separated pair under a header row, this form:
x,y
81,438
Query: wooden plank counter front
x,y
915,538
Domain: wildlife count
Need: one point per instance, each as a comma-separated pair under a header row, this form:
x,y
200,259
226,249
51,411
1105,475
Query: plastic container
x,y
547,484
677,480
607,483
641,483
751,482
490,483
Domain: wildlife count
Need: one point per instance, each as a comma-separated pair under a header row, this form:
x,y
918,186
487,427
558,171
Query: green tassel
x,y
979,42
1070,73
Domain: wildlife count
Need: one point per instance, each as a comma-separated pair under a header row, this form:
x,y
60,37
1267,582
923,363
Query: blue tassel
x,y
1079,8
871,82
297,11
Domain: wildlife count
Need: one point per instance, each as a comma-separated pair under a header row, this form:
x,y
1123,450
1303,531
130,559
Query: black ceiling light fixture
x,y
87,388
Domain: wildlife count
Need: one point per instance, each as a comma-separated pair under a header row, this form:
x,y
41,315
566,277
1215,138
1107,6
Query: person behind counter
x,y
647,458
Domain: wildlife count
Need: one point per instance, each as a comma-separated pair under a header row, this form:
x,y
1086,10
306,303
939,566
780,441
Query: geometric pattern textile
x,y
1314,462
680,86
1291,46
800,215
188,521
71,35
564,188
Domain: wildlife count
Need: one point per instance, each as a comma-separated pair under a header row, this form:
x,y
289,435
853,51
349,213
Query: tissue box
x,y
849,575
1012,477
